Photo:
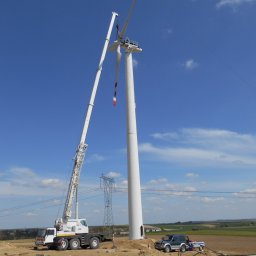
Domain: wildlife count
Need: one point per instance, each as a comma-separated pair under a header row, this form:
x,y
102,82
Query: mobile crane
x,y
74,233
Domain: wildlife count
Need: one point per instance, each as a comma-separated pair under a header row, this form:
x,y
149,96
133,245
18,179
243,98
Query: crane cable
x,y
115,87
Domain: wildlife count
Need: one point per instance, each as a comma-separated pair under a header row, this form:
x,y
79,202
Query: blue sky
x,y
195,98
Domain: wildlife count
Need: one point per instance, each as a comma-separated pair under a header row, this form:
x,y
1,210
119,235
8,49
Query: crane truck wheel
x,y
94,242
62,244
74,244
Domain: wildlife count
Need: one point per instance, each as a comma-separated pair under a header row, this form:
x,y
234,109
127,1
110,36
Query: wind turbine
x,y
136,230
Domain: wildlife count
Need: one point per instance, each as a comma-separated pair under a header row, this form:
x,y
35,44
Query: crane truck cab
x,y
45,237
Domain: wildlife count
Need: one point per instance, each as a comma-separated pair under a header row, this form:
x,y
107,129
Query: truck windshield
x,y
50,232
168,238
83,222
41,232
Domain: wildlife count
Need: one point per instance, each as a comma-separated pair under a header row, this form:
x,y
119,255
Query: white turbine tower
x,y
136,230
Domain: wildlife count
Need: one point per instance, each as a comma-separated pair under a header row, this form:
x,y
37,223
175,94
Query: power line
x,y
192,191
85,191
42,208
15,210
188,193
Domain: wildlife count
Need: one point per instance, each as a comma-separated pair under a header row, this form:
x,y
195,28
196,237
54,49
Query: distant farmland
x,y
223,228
246,228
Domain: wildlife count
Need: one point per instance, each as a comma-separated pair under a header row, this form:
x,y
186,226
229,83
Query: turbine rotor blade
x,y
118,60
122,33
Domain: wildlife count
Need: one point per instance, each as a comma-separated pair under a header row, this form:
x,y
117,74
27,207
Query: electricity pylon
x,y
108,184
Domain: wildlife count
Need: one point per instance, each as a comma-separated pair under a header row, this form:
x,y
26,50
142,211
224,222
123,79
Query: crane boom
x,y
81,150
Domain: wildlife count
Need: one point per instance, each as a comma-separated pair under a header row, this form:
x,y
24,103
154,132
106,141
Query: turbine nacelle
x,y
127,44
130,45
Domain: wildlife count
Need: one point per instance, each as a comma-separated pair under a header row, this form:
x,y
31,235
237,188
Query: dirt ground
x,y
216,245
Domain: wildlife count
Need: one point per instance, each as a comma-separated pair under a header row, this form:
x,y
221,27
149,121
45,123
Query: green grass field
x,y
222,228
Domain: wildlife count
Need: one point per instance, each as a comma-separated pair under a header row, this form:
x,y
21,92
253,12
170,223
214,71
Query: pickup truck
x,y
177,242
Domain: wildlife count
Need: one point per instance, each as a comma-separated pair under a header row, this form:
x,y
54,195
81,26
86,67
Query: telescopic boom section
x,y
80,153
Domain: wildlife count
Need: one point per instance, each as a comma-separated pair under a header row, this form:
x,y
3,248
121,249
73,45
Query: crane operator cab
x,y
78,226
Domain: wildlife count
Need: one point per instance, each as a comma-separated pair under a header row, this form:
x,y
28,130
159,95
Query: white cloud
x,y
219,139
155,200
154,210
30,214
211,199
233,3
197,157
158,181
56,202
56,183
190,189
250,191
22,172
167,32
205,147
25,181
113,174
124,182
95,158
165,136
163,187
247,193
190,64
191,175
135,63
182,190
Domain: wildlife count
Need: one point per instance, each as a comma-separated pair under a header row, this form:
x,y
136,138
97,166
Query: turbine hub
x,y
131,45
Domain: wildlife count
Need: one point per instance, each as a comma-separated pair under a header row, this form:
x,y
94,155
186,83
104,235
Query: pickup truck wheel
x,y
62,244
74,244
94,242
167,248
183,248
